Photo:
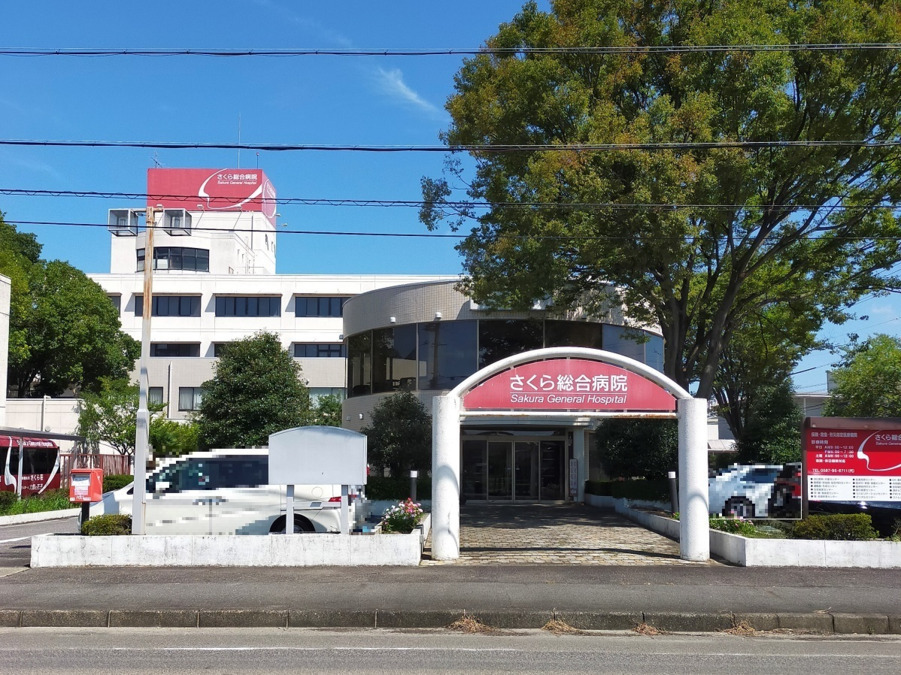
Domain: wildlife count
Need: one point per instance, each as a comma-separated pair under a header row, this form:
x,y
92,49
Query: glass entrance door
x,y
499,470
510,470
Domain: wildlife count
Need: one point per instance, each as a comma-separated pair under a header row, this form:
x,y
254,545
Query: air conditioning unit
x,y
123,222
176,222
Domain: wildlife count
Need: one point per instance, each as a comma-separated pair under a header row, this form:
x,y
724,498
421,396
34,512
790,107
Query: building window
x,y
447,353
177,258
219,348
189,398
155,395
359,364
170,305
501,338
175,349
394,359
319,350
625,341
117,302
572,334
248,305
319,306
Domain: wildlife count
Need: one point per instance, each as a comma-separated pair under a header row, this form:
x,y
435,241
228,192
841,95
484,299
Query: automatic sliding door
x,y
499,470
474,470
526,465
552,474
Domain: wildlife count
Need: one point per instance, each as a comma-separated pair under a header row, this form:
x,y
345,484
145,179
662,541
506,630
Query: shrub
x,y
114,481
111,524
379,487
655,490
745,528
402,518
838,526
7,499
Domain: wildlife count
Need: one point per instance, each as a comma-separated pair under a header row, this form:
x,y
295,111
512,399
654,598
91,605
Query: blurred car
x,y
785,500
743,490
226,492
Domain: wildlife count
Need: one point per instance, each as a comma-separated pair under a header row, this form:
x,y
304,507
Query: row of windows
x,y
177,258
240,305
321,350
440,355
189,398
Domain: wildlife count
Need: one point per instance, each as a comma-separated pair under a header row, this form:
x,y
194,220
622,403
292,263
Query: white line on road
x,y
8,541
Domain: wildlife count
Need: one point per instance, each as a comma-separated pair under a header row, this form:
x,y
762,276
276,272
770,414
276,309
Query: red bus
x,y
39,467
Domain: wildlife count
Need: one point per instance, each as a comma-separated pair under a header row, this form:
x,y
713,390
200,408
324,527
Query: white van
x,y
225,492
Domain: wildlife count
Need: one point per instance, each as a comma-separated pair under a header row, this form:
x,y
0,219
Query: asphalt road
x,y
177,651
15,540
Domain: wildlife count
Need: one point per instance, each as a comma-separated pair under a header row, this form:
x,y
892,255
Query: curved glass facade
x,y
438,355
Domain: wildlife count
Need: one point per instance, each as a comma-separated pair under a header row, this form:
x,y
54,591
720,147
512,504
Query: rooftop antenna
x,y
156,160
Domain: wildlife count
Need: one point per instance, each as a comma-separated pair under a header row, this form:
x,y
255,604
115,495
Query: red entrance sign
x,y
845,463
569,384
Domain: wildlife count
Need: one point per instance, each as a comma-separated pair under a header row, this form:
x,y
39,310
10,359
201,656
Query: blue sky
x,y
298,100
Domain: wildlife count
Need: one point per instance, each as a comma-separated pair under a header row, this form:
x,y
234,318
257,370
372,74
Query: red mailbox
x,y
86,485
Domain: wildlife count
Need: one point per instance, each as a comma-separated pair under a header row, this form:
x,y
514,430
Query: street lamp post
x,y
142,427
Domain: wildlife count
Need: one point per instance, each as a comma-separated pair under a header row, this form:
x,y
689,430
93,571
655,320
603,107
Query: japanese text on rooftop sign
x,y
568,384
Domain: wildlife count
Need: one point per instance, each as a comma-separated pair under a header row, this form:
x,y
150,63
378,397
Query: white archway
x,y
691,413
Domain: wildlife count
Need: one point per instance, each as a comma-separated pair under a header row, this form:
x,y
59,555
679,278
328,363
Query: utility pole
x,y
142,432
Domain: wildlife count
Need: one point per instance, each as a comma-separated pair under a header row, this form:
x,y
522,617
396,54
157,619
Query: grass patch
x,y
52,500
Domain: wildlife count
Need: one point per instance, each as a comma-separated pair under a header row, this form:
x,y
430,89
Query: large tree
x,y
256,391
109,415
868,382
731,180
64,332
399,434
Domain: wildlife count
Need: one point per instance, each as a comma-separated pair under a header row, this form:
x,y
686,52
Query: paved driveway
x,y
556,534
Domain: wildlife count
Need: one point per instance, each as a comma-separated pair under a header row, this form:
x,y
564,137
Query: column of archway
x,y
446,477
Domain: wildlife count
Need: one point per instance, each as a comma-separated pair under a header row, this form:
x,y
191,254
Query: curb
x,y
669,622
37,517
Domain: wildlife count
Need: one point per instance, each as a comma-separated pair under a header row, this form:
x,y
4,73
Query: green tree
x,y
172,438
699,238
772,434
326,411
400,434
110,413
256,391
868,383
638,448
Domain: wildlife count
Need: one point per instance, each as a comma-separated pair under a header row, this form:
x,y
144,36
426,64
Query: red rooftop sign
x,y
569,384
212,190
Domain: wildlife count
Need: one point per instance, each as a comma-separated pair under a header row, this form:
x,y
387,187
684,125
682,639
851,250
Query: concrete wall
x,y
298,550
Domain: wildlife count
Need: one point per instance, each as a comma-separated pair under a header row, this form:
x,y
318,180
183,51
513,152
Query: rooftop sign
x,y
569,385
212,190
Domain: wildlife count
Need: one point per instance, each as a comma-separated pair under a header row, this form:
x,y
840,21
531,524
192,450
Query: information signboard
x,y
852,459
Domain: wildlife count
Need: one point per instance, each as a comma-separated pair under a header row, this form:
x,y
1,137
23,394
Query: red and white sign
x,y
569,384
212,190
846,464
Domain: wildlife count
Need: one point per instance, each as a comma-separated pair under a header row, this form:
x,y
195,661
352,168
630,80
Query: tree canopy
x,y
730,181
772,434
64,332
638,448
868,383
399,434
256,391
109,415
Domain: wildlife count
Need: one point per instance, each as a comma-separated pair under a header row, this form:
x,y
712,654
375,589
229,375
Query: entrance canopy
x,y
565,383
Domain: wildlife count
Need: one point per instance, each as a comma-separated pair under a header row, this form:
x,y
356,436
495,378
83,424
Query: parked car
x,y
226,492
785,500
743,491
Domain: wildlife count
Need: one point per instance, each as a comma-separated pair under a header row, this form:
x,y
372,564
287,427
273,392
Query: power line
x,y
418,203
421,235
499,51
494,148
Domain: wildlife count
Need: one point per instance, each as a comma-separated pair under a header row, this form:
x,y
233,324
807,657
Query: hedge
x,y
836,526
655,489
110,524
379,487
114,481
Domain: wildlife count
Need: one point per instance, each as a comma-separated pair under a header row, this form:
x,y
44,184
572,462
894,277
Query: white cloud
x,y
391,82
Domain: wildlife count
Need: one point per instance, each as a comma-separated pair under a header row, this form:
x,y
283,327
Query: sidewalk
x,y
590,580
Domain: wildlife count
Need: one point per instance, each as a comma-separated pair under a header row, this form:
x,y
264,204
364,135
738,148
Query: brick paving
x,y
555,534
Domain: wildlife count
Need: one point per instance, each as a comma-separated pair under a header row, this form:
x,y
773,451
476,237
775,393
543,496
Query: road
x,y
176,651
15,540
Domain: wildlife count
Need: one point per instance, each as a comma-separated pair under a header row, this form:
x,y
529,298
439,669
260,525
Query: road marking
x,y
8,541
